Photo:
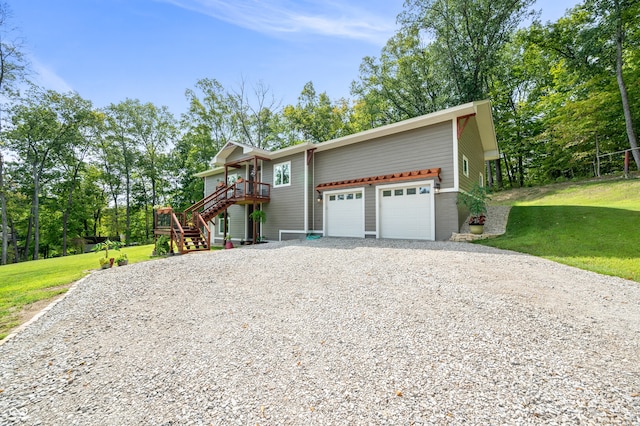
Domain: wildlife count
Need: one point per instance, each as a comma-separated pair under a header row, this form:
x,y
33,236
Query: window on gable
x,y
282,174
465,166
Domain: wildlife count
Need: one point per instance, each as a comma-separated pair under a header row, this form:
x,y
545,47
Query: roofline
x,y
210,172
477,107
484,120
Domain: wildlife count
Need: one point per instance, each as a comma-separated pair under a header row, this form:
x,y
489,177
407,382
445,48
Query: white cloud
x,y
47,77
276,17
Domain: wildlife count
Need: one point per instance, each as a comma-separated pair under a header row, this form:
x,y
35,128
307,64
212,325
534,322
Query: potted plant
x,y
476,201
259,216
122,260
106,245
227,242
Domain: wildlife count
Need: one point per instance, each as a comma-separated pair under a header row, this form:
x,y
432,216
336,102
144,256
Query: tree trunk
x,y
489,174
127,232
36,213
521,170
3,206
631,135
498,173
65,216
14,242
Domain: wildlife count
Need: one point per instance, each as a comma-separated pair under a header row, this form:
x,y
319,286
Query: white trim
x,y
342,191
220,227
288,231
456,167
465,160
432,191
274,174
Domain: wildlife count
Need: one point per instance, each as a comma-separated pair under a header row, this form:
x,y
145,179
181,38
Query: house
x,y
395,181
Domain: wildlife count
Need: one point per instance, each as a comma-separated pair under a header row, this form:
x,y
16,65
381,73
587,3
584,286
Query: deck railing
x,y
173,224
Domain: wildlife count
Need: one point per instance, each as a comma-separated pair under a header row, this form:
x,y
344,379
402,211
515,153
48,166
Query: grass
x,y
590,225
28,282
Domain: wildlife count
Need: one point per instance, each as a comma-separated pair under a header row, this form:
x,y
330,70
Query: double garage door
x,y
402,212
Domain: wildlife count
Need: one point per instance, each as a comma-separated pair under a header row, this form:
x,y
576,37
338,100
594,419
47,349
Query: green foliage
x,y
476,201
106,246
316,118
258,216
584,225
162,245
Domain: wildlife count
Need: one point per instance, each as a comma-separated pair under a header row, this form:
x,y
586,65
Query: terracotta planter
x,y
476,229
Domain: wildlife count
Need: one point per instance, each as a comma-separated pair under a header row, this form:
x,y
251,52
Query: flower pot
x,y
123,262
105,265
111,261
228,244
476,229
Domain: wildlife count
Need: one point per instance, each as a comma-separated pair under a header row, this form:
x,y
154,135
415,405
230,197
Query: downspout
x,y
313,182
306,191
456,171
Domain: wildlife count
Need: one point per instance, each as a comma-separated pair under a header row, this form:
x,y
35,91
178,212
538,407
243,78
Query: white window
x,y
282,174
465,166
220,225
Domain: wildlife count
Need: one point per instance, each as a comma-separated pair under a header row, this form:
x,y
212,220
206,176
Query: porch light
x,y
319,198
436,186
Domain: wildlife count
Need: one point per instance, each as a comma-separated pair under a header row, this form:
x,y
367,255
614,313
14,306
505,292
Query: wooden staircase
x,y
189,231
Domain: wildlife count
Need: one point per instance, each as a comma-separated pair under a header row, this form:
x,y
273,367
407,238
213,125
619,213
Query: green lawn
x,y
29,282
593,226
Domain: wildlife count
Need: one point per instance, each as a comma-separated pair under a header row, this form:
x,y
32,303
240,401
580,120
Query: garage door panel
x,y
345,214
406,213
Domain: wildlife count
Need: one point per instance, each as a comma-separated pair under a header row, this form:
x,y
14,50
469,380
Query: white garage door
x,y
345,214
406,212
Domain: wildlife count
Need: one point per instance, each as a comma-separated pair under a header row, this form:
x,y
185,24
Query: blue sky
x,y
153,50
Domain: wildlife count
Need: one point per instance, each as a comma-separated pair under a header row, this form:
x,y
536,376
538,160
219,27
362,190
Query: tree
x,y
468,36
42,124
121,150
253,116
316,118
73,159
154,129
12,70
406,81
589,46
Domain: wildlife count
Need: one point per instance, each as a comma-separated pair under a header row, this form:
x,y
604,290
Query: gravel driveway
x,y
332,331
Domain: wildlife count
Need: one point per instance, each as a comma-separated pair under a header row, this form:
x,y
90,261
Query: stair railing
x,y
218,195
201,223
177,233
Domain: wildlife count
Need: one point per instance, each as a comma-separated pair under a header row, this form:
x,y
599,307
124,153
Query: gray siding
x,y
286,208
446,215
424,148
237,220
235,155
471,146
